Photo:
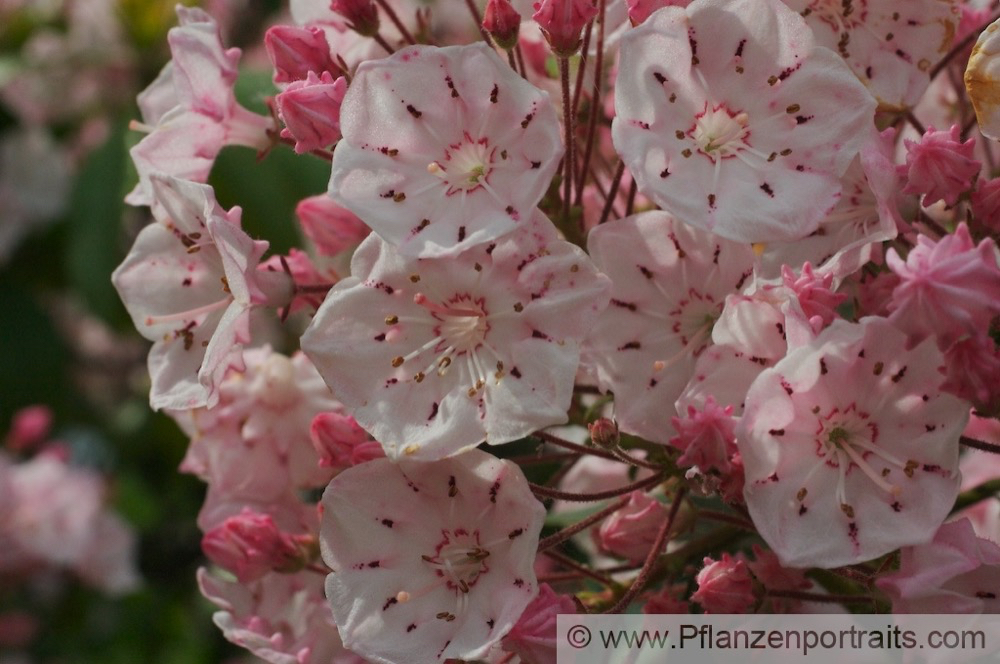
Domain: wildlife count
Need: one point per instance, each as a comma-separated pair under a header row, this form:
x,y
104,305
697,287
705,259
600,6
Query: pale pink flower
x,y
110,561
295,52
437,564
947,288
986,203
436,356
981,77
341,443
444,148
189,284
502,21
751,139
956,572
282,618
940,167
562,23
724,586
631,531
310,109
669,281
250,545
332,228
706,437
852,232
533,637
850,446
890,45
190,112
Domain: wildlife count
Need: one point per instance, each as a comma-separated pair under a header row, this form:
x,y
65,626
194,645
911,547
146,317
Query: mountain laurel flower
x,y
732,118
189,284
706,437
981,76
436,564
939,166
948,288
190,112
956,572
724,586
533,637
444,148
631,531
818,302
310,109
502,21
295,52
434,356
669,282
890,45
562,23
850,446
250,545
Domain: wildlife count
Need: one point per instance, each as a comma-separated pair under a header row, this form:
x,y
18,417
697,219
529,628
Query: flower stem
x,y
546,492
980,445
594,451
567,532
568,122
595,104
396,22
612,193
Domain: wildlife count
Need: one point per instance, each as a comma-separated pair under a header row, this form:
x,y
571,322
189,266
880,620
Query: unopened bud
x,y
296,51
361,13
250,545
562,23
503,23
310,110
604,433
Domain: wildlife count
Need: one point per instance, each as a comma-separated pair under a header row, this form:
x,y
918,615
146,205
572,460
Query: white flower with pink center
x,y
731,118
850,447
435,564
438,355
669,284
189,284
891,45
443,148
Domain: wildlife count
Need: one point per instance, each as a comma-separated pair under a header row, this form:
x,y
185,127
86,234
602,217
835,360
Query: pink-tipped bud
x,y
341,443
296,51
310,110
250,545
562,23
29,428
533,637
362,14
724,586
632,530
604,433
331,228
503,23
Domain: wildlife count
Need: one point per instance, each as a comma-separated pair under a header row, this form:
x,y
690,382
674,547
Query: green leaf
x,y
94,219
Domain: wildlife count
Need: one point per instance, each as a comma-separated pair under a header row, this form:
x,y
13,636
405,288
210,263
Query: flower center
x,y
466,165
720,133
463,321
459,559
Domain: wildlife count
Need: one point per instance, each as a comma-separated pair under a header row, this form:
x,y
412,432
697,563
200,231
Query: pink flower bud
x,y
361,13
503,23
986,203
632,530
341,443
30,427
562,23
724,586
604,433
296,51
310,110
331,228
706,437
939,166
533,637
639,10
815,296
250,545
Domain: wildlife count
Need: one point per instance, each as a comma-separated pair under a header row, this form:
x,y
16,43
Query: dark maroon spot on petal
x,y
412,111
509,209
493,491
932,468
490,623
489,249
660,78
800,168
373,564
494,93
861,353
802,119
389,602
380,337
517,532
985,594
822,366
539,335
632,345
445,647
624,305
766,188
739,48
711,201
802,509
451,86
777,432
868,72
410,627
519,583
461,233
646,272
665,173
527,120
387,523
515,372
787,386
186,282
452,487
434,411
930,427
896,507
898,376
536,164
652,382
412,486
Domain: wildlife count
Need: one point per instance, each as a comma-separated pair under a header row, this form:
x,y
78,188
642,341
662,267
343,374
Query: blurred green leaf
x,y
96,208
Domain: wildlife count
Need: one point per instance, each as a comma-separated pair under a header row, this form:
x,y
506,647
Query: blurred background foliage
x,y
67,341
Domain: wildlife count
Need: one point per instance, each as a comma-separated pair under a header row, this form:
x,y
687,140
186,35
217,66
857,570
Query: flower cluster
x,y
759,293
